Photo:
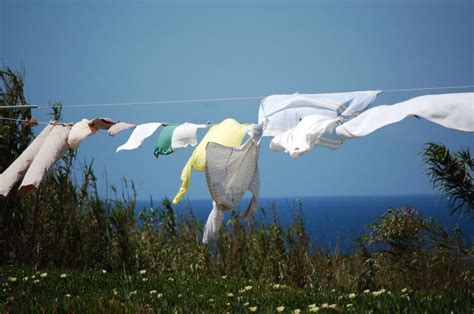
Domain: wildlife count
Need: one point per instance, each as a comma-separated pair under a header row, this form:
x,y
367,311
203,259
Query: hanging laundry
x,y
228,133
52,149
139,134
213,224
173,137
18,168
85,128
279,113
230,172
120,126
102,123
79,132
454,111
163,142
307,133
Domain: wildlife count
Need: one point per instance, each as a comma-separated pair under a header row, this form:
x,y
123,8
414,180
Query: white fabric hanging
x,y
79,132
279,113
18,168
53,149
454,111
119,127
185,134
305,135
213,224
139,134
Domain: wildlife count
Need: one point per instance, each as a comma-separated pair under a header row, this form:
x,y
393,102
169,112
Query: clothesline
x,y
296,123
189,101
23,120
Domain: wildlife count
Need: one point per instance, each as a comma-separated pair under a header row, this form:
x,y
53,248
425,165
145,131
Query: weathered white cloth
x,y
454,111
85,128
53,148
213,224
119,127
18,168
139,134
185,134
279,113
79,132
305,135
230,172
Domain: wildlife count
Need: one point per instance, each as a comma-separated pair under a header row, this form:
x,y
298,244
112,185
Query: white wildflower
x,y
332,306
142,272
12,279
44,275
280,308
153,291
352,296
253,309
63,276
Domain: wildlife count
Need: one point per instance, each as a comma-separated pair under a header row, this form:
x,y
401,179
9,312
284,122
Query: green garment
x,y
163,143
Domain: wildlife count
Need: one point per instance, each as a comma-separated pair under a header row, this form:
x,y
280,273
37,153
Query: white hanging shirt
x,y
139,134
454,111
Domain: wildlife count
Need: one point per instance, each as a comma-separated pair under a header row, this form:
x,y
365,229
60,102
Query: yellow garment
x,y
228,133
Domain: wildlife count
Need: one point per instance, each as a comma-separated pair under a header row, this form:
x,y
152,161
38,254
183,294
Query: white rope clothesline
x,y
189,101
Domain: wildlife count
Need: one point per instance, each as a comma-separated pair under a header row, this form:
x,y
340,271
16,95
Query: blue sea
x,y
333,222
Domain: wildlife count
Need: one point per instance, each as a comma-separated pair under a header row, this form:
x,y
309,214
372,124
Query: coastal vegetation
x,y
69,248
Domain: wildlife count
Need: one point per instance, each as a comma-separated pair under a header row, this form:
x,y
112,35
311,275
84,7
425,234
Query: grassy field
x,y
27,290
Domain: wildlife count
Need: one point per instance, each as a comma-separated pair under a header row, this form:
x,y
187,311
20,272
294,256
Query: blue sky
x,y
122,51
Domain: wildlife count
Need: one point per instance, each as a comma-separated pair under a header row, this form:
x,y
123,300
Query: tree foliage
x,y
451,173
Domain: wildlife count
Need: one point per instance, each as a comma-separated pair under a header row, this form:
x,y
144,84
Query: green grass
x,y
27,290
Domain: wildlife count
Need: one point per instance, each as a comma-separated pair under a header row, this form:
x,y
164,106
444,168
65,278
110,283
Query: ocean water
x,y
333,222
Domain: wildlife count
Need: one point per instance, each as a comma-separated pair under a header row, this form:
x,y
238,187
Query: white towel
x,y
454,111
139,134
